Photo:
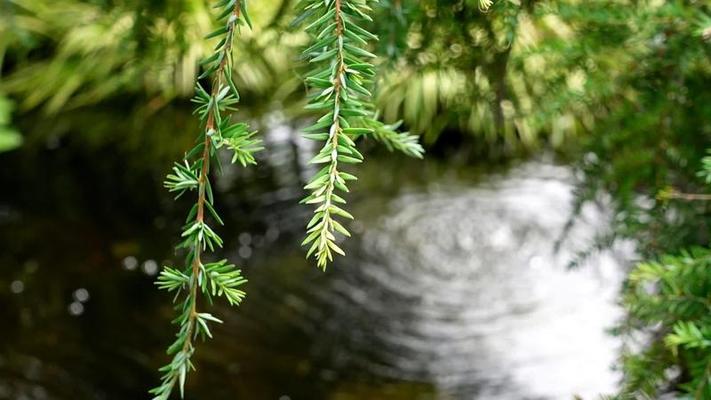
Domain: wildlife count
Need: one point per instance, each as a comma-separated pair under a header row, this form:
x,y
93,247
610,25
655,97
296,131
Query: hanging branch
x,y
338,89
209,279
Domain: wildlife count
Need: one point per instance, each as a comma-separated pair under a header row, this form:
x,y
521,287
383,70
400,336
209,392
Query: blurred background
x,y
496,268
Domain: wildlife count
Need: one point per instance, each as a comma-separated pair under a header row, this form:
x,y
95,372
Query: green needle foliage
x,y
670,299
9,137
339,89
672,296
199,278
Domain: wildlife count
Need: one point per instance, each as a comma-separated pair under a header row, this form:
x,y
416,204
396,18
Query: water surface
x,y
452,288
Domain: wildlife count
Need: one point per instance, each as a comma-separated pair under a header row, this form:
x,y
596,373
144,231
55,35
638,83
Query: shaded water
x,y
451,288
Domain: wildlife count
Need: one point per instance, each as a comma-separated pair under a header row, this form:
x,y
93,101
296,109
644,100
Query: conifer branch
x,y
338,86
388,135
671,193
197,277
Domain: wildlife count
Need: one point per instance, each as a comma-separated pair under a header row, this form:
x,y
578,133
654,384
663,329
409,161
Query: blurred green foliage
x,y
652,129
673,293
61,55
518,75
9,137
521,74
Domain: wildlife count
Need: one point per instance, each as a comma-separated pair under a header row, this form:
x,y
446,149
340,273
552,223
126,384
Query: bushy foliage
x,y
649,114
670,299
652,125
449,65
63,55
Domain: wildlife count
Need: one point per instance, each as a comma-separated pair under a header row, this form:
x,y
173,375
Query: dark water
x,y
451,288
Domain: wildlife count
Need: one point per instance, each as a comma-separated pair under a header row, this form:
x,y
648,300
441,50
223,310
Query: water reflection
x,y
459,290
461,287
451,290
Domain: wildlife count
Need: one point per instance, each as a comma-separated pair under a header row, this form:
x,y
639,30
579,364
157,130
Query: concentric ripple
x,y
462,288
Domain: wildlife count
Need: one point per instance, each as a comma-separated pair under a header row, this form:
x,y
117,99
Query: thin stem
x,y
699,392
213,278
203,179
688,196
334,131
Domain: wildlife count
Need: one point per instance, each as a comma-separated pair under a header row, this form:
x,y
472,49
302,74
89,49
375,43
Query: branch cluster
x,y
196,278
339,89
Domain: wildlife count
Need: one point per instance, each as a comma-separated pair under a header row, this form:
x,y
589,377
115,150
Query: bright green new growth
x,y
338,86
209,279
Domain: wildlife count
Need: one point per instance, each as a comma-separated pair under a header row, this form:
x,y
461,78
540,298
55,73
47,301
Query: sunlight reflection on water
x,y
463,288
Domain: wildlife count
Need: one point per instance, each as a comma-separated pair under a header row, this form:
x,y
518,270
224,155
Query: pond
x,y
456,284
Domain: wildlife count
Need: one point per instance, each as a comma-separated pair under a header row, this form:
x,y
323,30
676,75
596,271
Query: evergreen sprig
x,y
670,298
388,135
339,89
209,279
